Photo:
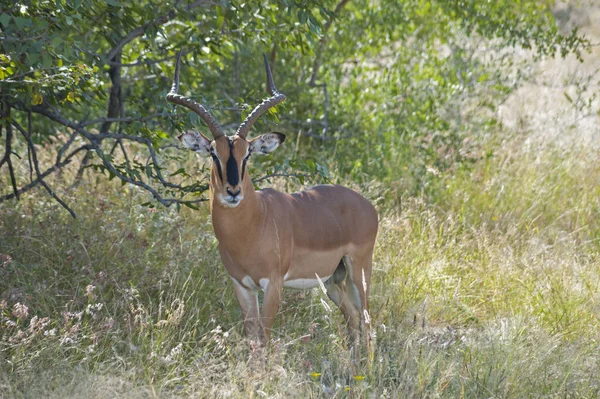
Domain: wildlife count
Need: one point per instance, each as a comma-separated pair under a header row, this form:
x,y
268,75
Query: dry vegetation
x,y
491,289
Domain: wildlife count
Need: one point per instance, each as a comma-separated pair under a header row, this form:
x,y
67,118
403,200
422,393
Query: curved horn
x,y
198,108
275,99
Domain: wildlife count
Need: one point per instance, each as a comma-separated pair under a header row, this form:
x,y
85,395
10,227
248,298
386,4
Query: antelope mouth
x,y
231,202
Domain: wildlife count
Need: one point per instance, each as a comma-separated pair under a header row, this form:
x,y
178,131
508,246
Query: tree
x,y
87,79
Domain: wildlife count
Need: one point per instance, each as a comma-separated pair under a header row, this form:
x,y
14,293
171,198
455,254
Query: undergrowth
x,y
490,288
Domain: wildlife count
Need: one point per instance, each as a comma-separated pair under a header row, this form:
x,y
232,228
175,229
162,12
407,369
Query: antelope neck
x,y
240,221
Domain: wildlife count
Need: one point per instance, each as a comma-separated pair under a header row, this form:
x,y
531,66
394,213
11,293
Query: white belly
x,y
303,283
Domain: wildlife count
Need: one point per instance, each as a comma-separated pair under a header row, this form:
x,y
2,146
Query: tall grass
x,y
489,289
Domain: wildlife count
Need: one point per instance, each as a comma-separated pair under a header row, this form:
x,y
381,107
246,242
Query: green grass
x,y
489,289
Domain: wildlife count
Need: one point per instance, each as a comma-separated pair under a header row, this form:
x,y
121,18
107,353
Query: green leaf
x,y
46,60
5,20
302,16
56,41
220,17
22,22
180,171
191,206
113,3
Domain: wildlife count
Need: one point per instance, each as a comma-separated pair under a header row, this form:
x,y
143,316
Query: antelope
x,y
322,236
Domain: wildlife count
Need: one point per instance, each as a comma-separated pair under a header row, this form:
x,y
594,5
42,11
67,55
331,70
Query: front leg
x,y
271,302
248,300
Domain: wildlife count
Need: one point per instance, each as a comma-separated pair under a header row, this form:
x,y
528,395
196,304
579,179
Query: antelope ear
x,y
266,143
196,141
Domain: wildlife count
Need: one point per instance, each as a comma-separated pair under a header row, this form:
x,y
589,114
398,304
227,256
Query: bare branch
x,y
66,146
37,169
8,150
48,172
95,140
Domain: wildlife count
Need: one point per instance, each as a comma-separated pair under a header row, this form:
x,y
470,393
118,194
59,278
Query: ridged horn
x,y
173,97
275,99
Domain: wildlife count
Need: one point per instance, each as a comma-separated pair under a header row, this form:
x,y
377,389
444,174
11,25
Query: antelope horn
x,y
275,99
198,108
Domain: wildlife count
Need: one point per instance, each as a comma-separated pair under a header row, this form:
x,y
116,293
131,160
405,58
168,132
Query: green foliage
x,y
385,86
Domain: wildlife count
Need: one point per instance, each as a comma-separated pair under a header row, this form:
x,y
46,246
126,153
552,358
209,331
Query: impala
x,y
269,240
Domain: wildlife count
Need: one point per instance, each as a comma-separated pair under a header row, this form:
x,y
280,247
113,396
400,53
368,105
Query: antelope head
x,y
229,178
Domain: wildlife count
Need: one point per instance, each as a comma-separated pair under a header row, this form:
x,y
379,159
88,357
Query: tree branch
x,y
36,165
8,149
96,139
114,99
47,172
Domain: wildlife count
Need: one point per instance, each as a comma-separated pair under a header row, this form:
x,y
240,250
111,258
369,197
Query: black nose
x,y
233,194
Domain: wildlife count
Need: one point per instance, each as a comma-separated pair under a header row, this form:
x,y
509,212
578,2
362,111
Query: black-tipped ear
x,y
281,137
195,141
266,143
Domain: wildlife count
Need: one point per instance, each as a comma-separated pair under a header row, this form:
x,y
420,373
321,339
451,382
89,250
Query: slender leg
x,y
338,294
361,283
270,307
248,300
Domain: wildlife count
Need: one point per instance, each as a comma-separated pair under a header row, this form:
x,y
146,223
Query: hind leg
x,y
358,282
365,283
349,297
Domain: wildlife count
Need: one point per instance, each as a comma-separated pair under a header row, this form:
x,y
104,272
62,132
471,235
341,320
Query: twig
x,y
37,170
95,140
66,146
48,172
